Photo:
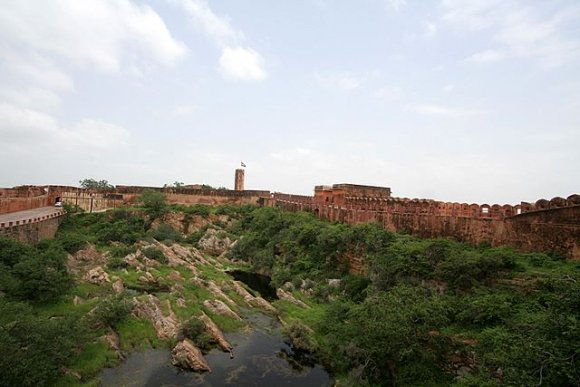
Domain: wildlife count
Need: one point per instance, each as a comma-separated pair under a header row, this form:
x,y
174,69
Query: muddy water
x,y
261,358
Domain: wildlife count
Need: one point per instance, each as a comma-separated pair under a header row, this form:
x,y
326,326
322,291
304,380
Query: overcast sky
x,y
456,100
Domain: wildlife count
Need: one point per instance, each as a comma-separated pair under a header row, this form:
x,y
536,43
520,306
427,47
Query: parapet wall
x,y
537,229
14,204
33,230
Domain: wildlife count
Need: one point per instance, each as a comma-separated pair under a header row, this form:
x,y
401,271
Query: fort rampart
x,y
34,229
546,225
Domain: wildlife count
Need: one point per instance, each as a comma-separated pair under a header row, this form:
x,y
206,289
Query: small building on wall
x,y
340,194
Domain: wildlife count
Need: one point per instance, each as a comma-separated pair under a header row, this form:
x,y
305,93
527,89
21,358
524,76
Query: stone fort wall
x,y
33,230
546,225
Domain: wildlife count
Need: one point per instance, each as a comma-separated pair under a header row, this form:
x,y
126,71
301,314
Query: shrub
x,y
121,250
72,243
301,336
33,350
30,273
154,203
117,263
166,233
155,253
198,209
111,311
194,329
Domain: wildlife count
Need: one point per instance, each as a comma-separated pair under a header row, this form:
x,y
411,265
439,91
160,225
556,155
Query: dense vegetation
x,y
45,337
416,312
424,311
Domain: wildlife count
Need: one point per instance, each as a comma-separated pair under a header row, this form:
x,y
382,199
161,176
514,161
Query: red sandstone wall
x,y
14,204
34,231
556,229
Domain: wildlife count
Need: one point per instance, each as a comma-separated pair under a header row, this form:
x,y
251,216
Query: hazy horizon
x,y
449,100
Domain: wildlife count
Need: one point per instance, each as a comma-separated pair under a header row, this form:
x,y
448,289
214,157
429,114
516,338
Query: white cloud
x,y
242,64
396,4
92,32
388,93
25,67
430,30
344,81
218,28
487,56
94,134
448,88
183,110
31,97
445,111
520,29
237,61
27,127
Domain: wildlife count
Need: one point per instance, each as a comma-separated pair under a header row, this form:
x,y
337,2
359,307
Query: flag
x,y
243,165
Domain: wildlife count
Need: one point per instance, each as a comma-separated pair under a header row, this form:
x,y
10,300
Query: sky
x,y
453,100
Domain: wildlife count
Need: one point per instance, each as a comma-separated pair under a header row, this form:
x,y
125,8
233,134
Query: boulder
x,y
250,299
215,332
187,356
132,260
150,262
112,340
241,290
288,286
214,242
334,282
166,326
290,298
218,307
97,276
118,286
175,276
147,278
212,287
262,303
78,300
84,259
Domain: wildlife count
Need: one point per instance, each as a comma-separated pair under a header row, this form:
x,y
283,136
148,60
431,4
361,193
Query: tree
x,y
101,185
154,202
176,184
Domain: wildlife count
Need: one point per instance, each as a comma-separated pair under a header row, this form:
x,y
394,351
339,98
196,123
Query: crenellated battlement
x,y
540,226
544,225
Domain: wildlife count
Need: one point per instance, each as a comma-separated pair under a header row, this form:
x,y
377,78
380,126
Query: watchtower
x,y
239,183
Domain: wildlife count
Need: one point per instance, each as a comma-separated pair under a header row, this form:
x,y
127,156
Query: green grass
x,y
290,312
226,324
138,334
194,297
87,290
94,357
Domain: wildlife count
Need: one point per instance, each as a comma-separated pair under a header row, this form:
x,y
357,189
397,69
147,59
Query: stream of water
x,y
261,358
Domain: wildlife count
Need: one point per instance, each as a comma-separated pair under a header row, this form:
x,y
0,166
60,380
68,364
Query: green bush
x,y
121,250
73,242
36,274
165,232
194,329
198,209
155,253
111,311
117,263
154,203
301,336
33,350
